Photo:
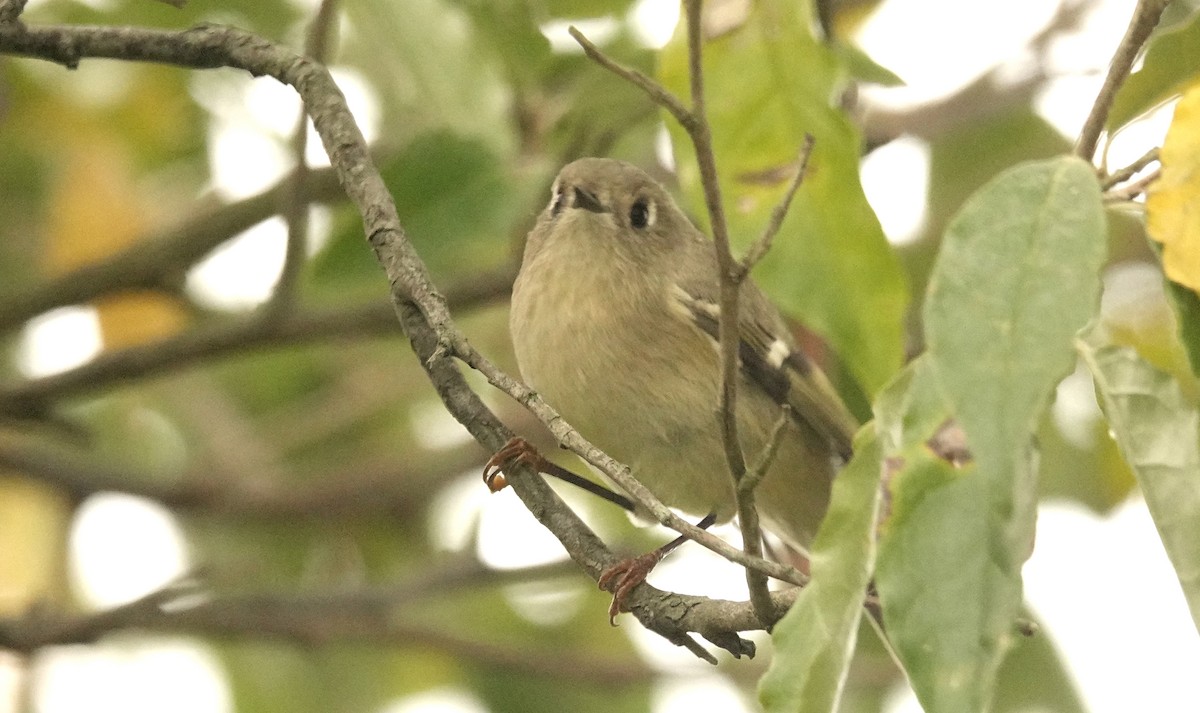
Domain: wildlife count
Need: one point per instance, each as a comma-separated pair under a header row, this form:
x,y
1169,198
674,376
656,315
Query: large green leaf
x,y
1017,276
948,587
1158,432
815,640
769,81
1172,62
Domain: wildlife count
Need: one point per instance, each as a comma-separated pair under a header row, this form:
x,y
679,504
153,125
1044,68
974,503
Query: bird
x,y
614,322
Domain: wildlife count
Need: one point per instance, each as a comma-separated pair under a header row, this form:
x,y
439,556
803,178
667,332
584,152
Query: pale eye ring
x,y
556,199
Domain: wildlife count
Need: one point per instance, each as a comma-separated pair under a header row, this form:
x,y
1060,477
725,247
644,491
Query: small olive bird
x,y
614,320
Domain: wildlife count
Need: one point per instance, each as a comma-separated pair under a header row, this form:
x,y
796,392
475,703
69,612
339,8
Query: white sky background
x,y
1103,586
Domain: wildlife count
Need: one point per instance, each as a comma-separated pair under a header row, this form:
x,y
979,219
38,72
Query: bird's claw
x,y
517,450
622,577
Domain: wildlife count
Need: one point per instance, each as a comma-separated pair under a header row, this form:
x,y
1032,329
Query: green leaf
x,y
1187,313
909,410
815,640
1034,677
1158,432
769,81
1017,277
949,594
1171,63
860,66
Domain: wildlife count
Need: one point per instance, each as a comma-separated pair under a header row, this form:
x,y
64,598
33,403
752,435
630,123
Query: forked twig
x,y
731,271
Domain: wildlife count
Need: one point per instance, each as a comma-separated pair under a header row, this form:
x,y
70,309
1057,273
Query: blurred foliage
x,y
478,109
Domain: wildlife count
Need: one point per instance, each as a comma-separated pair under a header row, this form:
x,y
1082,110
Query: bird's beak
x,y
588,201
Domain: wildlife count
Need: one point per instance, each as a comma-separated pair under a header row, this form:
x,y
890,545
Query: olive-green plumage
x,y
614,318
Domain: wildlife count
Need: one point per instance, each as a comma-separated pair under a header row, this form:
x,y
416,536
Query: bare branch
x,y
1133,190
310,619
296,204
319,618
1124,174
728,327
10,10
1145,19
394,490
421,308
656,91
154,260
32,399
748,516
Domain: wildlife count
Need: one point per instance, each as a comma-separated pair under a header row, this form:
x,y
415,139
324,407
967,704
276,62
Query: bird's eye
x,y
641,214
556,199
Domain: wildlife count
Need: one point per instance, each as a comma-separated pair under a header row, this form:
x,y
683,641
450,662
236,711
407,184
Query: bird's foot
x,y
517,450
621,578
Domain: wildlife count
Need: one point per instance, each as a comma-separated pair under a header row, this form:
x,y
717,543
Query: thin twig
x,y
729,327
758,470
1145,18
695,123
396,490
157,258
746,485
10,11
760,247
1129,171
748,520
31,399
656,91
1132,190
296,205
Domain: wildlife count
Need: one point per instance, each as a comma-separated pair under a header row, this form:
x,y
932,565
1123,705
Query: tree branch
x,y
153,259
1145,19
761,246
731,272
313,619
32,399
1128,172
393,490
421,308
375,616
296,204
10,10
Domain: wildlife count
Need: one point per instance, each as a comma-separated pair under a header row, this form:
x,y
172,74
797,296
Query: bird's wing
x,y
770,359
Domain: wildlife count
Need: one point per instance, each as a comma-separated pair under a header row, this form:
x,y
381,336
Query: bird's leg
x,y
518,450
622,577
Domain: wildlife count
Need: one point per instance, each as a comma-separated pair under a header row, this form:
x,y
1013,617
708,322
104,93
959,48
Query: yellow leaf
x,y
134,318
1173,202
33,524
97,211
94,204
